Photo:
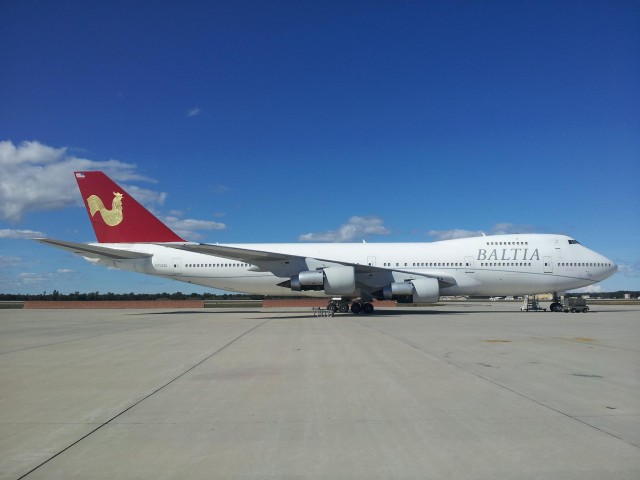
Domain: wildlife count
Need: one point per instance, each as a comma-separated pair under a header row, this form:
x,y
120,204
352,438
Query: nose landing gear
x,y
556,304
555,307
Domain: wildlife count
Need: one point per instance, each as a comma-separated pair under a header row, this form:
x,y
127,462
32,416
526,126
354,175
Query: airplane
x,y
350,275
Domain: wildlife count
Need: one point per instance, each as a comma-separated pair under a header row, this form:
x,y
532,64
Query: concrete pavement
x,y
457,391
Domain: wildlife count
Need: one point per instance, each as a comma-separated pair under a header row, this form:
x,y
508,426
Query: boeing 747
x,y
132,238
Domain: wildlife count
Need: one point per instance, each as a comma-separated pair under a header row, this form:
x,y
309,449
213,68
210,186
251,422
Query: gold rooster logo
x,y
111,217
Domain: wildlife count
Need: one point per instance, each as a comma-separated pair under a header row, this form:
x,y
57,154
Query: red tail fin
x,y
117,217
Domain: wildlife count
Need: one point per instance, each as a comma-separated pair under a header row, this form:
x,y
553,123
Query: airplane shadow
x,y
208,311
387,313
381,313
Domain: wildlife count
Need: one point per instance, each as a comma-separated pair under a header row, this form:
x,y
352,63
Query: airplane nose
x,y
607,267
613,268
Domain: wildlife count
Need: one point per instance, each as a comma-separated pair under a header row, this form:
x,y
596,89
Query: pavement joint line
x,y
144,398
445,359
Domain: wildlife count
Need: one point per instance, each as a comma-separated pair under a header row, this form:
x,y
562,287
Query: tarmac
x,y
464,391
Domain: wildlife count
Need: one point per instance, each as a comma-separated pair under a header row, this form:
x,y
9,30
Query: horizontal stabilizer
x,y
94,251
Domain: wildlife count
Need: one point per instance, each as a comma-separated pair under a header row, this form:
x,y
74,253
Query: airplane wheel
x,y
332,308
356,307
555,307
367,307
343,308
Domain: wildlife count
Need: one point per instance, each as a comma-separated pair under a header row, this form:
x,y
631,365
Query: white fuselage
x,y
488,265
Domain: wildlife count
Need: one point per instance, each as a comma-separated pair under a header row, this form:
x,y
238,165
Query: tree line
x,y
56,296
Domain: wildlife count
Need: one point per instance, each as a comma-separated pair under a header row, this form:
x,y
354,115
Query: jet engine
x,y
419,290
339,280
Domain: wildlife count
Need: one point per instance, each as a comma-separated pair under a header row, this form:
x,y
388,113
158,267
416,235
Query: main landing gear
x,y
556,304
342,306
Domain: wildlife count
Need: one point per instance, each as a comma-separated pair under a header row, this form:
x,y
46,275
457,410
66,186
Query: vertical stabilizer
x,y
116,216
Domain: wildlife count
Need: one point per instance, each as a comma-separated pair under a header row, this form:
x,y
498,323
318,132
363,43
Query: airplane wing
x,y
241,254
269,260
93,251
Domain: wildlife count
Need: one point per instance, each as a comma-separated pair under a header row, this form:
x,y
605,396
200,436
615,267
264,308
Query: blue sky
x,y
293,121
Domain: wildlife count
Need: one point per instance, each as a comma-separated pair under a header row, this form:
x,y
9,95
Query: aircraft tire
x,y
555,307
356,307
367,308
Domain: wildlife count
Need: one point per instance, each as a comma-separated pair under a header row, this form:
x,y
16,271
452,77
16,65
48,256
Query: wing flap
x,y
94,251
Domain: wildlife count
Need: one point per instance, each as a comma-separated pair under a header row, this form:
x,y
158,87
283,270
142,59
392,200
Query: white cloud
x,y
10,233
188,228
149,198
355,229
507,228
589,289
29,279
220,189
6,262
629,269
36,177
194,112
16,272
451,234
497,229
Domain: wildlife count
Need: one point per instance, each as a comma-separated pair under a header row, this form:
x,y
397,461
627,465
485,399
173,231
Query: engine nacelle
x,y
333,280
399,289
305,281
419,290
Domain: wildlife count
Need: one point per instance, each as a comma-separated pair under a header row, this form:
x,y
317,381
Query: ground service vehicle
x,y
575,305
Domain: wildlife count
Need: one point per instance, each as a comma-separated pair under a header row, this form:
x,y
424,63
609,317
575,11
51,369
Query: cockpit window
x,y
574,242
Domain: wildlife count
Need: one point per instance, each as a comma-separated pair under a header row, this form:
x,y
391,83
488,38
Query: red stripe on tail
x,y
116,216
